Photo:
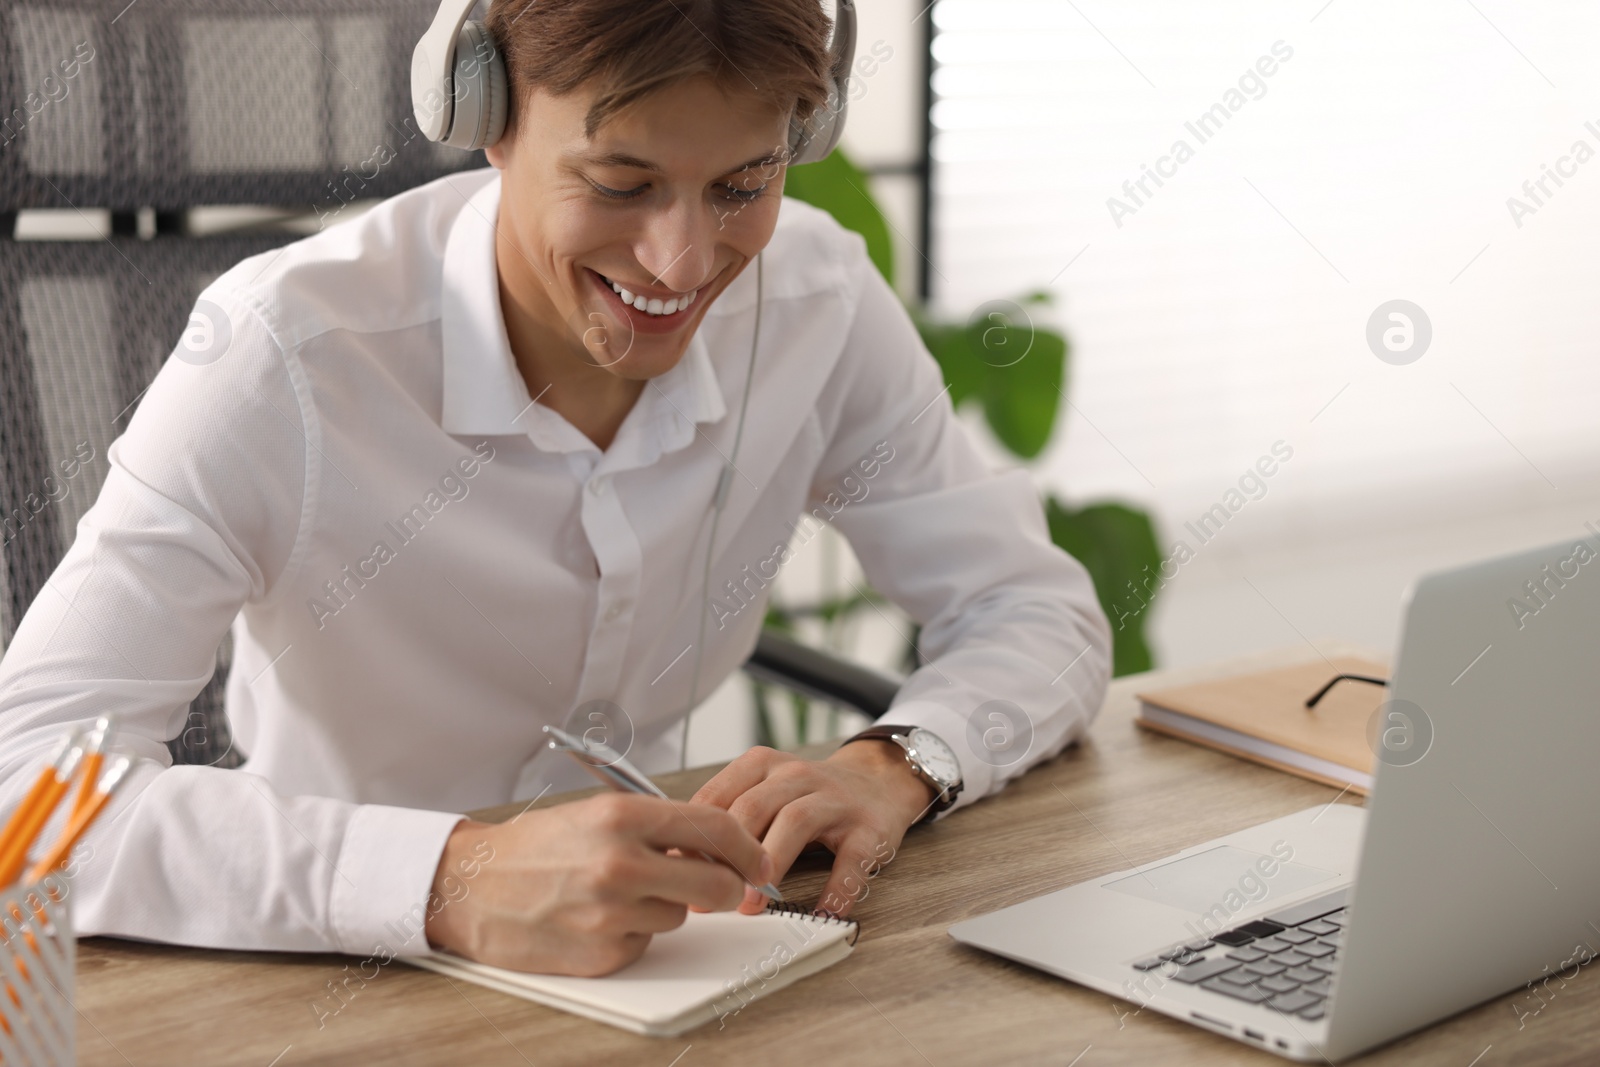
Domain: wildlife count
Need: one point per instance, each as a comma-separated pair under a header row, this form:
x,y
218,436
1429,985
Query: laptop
x,y
1470,872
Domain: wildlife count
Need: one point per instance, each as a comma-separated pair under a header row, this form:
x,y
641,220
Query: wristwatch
x,y
929,758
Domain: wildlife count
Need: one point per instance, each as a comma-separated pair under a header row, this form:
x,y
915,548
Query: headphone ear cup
x,y
498,91
812,140
480,90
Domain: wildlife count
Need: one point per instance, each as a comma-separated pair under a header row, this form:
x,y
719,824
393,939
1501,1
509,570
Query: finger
x,y
808,819
709,830
689,881
692,907
754,901
585,957
847,884
739,776
652,915
758,806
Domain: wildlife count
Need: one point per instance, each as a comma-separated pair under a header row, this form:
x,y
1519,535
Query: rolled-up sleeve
x,y
203,509
1016,650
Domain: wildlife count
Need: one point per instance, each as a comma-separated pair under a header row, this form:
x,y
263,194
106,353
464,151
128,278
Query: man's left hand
x,y
858,802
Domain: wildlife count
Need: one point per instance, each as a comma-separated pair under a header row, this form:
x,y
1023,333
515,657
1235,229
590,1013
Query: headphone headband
x,y
459,92
811,141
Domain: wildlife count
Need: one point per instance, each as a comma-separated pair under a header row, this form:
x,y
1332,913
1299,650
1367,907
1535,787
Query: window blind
x,y
1222,195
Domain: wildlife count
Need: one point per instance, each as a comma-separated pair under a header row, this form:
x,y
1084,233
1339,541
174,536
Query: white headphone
x,y
458,84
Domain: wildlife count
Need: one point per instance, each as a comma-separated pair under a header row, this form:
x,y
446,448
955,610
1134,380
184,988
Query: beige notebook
x,y
709,968
1262,717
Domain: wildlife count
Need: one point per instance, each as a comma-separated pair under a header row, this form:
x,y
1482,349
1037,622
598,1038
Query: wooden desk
x,y
908,995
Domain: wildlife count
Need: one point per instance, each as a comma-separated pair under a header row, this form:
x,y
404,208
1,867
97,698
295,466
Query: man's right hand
x,y
580,888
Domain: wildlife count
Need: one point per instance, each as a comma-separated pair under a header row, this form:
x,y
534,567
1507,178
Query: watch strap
x,y
880,732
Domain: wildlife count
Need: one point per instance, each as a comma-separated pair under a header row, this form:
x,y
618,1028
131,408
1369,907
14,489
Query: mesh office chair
x,y
170,105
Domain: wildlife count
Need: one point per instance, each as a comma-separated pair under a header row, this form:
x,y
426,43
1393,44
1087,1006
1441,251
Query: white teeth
x,y
654,306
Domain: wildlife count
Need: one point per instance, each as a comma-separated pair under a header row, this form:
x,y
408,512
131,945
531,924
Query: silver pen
x,y
608,765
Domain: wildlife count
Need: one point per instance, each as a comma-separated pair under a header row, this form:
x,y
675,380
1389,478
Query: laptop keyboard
x,y
1285,960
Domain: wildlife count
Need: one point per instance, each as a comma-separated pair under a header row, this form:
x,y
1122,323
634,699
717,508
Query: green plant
x,y
1117,546
999,358
1014,369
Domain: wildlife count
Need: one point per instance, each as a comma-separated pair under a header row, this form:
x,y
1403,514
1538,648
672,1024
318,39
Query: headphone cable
x,y
724,483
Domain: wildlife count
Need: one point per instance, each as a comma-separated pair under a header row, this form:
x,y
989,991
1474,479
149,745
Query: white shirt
x,y
422,567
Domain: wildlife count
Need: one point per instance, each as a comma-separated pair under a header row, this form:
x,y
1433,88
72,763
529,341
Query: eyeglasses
x,y
1336,679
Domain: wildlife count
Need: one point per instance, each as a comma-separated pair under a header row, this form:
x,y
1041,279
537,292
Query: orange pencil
x,y
31,815
35,809
94,747
99,797
46,776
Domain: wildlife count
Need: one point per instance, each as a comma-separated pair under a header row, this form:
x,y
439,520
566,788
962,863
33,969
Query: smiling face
x,y
668,202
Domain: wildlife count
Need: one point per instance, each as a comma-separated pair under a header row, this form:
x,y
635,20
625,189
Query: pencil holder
x,y
38,963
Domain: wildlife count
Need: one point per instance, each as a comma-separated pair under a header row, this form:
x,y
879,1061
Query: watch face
x,y
935,756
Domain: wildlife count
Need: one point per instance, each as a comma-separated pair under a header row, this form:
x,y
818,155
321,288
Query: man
x,y
451,480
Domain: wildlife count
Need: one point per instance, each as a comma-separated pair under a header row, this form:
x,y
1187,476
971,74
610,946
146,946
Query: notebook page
x,y
712,957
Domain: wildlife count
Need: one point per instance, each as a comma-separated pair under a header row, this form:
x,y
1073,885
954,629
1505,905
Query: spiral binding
x,y
789,907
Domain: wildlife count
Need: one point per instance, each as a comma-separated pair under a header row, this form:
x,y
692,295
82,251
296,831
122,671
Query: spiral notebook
x,y
707,969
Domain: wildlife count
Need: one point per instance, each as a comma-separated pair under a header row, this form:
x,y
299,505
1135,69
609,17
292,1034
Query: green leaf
x,y
963,372
1024,367
1002,358
840,188
1117,545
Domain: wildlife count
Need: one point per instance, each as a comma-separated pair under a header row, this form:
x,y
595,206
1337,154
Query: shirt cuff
x,y
384,878
977,777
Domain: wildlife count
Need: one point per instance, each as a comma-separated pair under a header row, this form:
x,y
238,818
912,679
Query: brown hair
x,y
777,48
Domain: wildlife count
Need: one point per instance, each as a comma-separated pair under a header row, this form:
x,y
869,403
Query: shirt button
x,y
597,485
612,612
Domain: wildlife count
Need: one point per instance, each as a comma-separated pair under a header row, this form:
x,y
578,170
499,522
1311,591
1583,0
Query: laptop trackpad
x,y
1225,875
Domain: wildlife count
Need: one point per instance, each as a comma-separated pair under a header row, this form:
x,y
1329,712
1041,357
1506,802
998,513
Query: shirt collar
x,y
484,393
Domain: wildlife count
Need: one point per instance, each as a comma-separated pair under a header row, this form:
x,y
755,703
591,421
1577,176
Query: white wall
x,y
1228,309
